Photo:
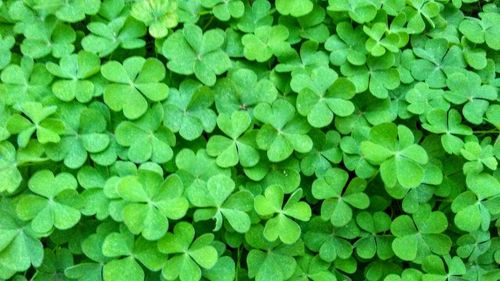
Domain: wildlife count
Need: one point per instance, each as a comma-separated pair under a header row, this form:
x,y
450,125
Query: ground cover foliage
x,y
249,140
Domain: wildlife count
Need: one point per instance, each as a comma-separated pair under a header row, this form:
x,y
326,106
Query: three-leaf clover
x,y
127,255
113,31
465,87
76,69
132,82
483,30
146,138
216,199
337,202
158,15
283,131
19,247
281,225
323,95
187,254
151,201
190,51
437,62
417,237
448,124
47,129
475,206
53,203
187,110
400,159
243,90
84,133
265,42
270,260
238,146
374,241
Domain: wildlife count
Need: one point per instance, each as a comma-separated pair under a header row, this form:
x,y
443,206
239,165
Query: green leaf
x,y
190,51
134,82
54,202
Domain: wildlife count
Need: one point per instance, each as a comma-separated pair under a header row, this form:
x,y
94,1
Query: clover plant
x,y
222,140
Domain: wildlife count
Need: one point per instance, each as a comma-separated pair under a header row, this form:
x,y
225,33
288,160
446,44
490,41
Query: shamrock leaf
x,y
308,59
448,124
400,160
146,138
379,41
48,37
320,104
187,254
197,166
478,156
54,202
474,208
237,147
84,133
285,173
337,202
418,237
257,14
465,87
423,99
310,26
19,247
47,128
347,45
10,177
243,90
374,241
76,69
187,110
265,42
325,151
418,10
113,31
281,226
127,253
282,132
216,200
270,261
225,10
189,51
379,76
6,43
437,62
483,30
296,8
158,15
331,243
27,81
132,82
151,201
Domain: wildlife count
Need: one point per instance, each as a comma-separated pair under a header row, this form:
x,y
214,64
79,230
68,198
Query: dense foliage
x,y
249,139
